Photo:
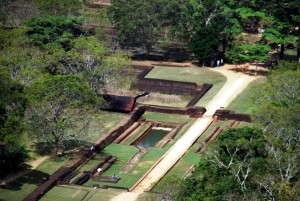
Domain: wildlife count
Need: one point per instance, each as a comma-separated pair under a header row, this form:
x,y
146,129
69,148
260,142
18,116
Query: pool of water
x,y
152,138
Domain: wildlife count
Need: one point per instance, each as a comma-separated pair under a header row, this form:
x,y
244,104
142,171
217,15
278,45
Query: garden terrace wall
x,y
142,70
230,115
166,86
120,128
195,112
199,94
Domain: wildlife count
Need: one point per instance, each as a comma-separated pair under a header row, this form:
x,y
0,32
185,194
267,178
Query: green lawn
x,y
242,103
81,193
124,154
167,117
199,75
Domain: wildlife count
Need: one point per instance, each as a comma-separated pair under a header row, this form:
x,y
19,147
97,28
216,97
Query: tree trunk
x,y
255,68
55,144
55,152
298,54
147,48
224,44
281,54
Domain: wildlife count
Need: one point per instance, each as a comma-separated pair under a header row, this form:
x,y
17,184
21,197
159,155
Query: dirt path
x,y
33,165
235,83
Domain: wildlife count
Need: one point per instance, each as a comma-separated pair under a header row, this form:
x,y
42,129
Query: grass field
x,y
80,193
123,154
242,103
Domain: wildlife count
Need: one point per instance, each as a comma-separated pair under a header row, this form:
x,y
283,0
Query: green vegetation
x,y
123,154
57,58
80,193
12,107
243,102
153,22
166,117
22,186
56,102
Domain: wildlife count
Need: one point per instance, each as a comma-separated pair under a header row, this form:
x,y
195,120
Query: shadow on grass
x,y
45,148
33,177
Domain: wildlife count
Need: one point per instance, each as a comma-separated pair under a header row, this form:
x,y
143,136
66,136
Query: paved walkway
x,y
235,83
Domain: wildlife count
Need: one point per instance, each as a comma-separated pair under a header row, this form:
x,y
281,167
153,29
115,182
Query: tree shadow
x,y
73,144
33,177
45,148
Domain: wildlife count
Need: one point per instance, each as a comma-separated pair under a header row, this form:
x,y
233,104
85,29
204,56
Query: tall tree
x,y
54,31
277,103
12,107
254,53
228,168
57,7
58,104
283,18
205,44
13,13
141,22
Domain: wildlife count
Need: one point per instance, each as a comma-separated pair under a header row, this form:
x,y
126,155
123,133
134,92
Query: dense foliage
x,y
63,67
12,107
210,26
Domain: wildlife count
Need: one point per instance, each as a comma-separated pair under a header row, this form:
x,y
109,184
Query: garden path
x,y
236,82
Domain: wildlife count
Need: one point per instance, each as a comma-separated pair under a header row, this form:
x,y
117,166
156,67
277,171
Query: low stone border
x,y
199,94
195,112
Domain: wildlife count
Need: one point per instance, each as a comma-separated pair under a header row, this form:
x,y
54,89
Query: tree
x,y
57,107
92,60
282,17
233,55
228,168
54,31
205,44
25,63
13,13
12,107
277,103
57,7
138,22
254,53
141,22
167,189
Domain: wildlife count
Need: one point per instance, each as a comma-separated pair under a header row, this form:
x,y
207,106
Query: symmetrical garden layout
x,y
139,144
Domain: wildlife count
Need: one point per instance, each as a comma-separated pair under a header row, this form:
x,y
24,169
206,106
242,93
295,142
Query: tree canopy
x,y
57,105
12,107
